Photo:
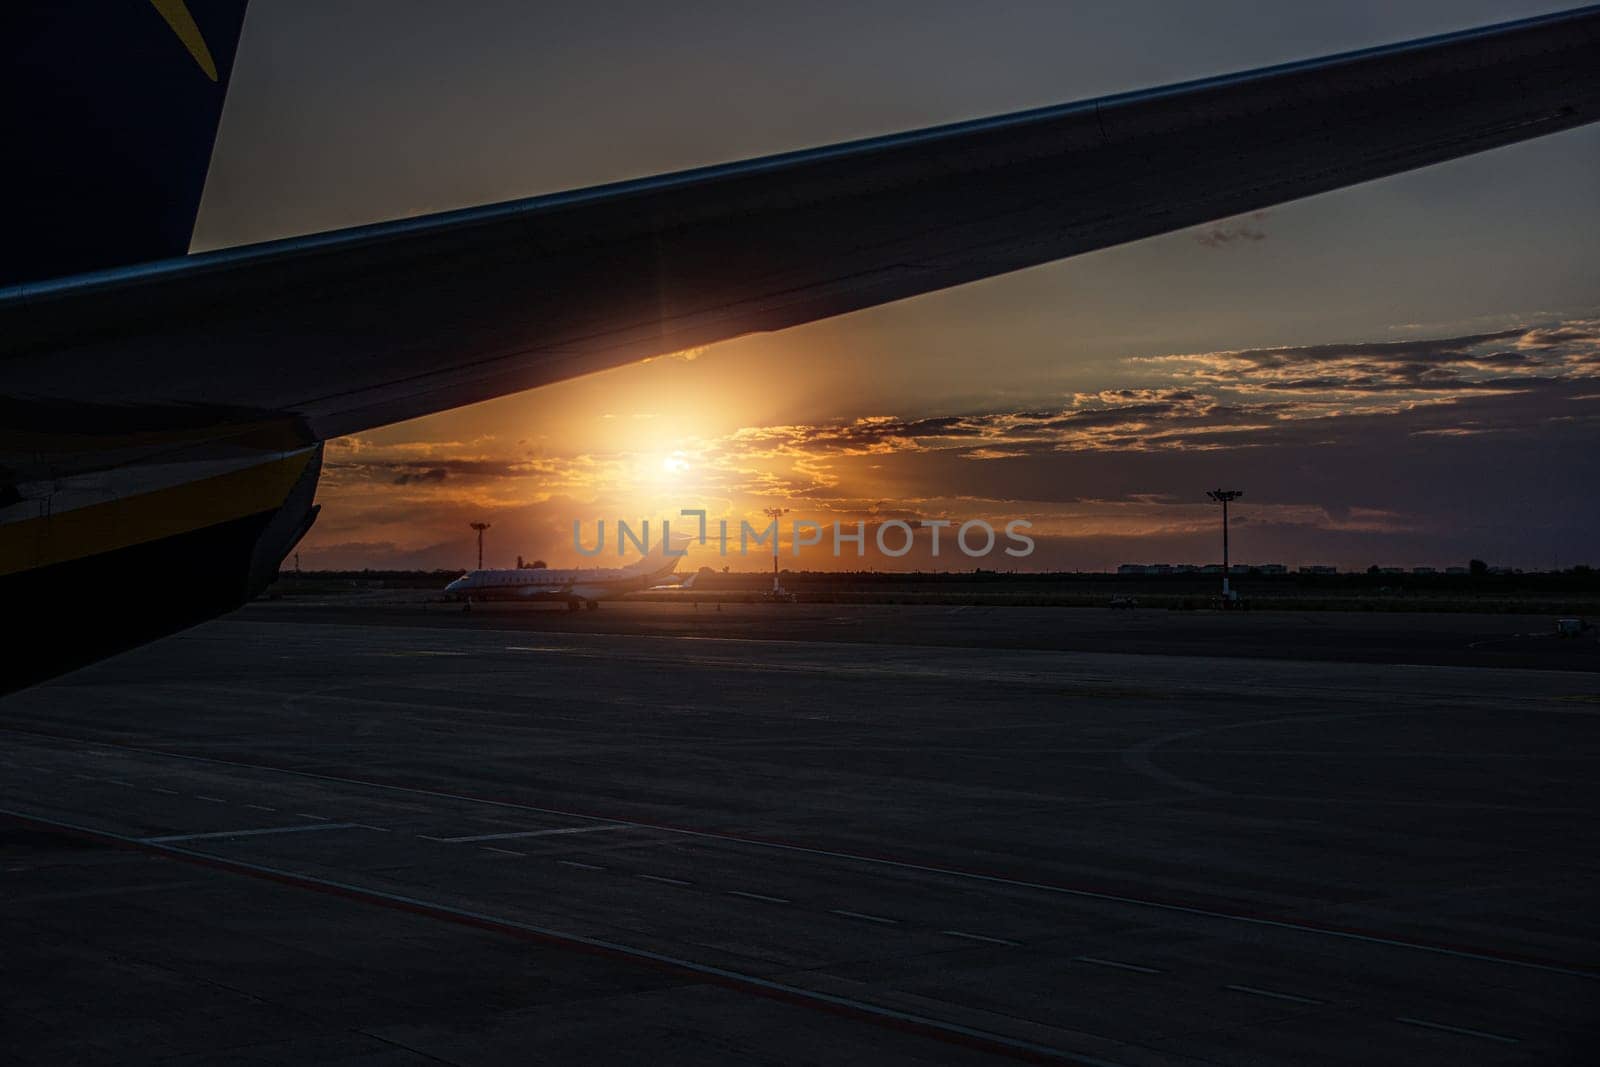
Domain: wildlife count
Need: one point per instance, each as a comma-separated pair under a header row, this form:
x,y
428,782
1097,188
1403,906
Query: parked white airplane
x,y
584,587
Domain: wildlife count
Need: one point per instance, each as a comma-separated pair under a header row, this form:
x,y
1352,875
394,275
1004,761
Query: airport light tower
x,y
480,527
776,515
1223,497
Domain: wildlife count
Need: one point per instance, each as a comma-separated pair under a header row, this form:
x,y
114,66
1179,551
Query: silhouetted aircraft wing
x,y
349,330
161,418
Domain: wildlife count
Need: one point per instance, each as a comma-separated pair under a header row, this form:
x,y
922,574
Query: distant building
x,y
1211,568
1457,570
1319,568
1423,570
1391,570
1270,568
1132,568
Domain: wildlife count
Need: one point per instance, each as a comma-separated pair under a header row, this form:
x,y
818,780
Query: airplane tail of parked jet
x,y
661,559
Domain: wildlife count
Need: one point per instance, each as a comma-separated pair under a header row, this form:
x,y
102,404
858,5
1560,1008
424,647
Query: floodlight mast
x,y
775,514
1223,497
480,527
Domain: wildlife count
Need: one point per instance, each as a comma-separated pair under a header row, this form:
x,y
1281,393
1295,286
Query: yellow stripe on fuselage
x,y
139,518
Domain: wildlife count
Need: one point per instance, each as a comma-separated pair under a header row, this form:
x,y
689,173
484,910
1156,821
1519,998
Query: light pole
x,y
1223,496
776,515
480,527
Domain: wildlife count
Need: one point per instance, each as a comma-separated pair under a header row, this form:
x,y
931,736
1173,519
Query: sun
x,y
663,471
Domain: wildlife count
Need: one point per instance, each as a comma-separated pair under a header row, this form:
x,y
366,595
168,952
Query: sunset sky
x,y
1403,373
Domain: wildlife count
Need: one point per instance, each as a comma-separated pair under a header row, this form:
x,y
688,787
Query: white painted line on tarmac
x,y
865,917
168,792
502,851
980,937
905,865
583,866
308,815
209,800
1459,1030
758,896
662,878
1253,991
260,807
246,833
766,986
1098,962
525,833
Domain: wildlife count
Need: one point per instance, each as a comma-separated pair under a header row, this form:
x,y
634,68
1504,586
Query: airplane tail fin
x,y
657,562
115,108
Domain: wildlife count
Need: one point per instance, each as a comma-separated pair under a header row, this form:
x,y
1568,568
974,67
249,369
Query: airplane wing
x,y
160,414
354,329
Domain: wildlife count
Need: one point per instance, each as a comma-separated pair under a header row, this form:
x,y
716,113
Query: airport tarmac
x,y
1461,639
404,838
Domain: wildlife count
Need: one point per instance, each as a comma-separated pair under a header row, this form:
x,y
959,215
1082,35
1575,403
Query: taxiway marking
x,y
942,1029
980,937
523,833
1153,904
865,917
1098,962
1253,991
757,896
246,833
1458,1030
